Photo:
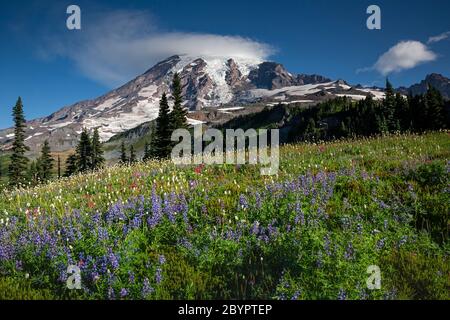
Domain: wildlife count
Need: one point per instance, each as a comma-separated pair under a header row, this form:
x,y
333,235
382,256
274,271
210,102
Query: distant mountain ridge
x,y
436,80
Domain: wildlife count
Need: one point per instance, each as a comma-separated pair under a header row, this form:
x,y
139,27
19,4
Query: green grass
x,y
333,210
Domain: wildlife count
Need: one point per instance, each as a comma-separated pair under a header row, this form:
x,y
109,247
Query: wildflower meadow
x,y
156,230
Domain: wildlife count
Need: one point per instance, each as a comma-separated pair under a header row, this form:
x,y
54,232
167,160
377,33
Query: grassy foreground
x,y
159,231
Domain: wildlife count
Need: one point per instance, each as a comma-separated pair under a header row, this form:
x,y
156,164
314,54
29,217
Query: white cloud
x,y
439,37
122,44
403,56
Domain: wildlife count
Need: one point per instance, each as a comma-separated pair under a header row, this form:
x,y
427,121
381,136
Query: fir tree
x,y
123,154
18,165
310,132
59,167
132,155
388,121
33,173
163,132
402,113
147,154
149,148
84,152
97,151
435,109
178,115
45,163
71,165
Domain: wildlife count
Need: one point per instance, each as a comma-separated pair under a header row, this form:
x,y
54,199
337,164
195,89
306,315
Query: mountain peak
x,y
436,80
207,81
436,77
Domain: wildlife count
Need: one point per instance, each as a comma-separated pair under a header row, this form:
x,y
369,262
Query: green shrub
x,y
14,289
418,276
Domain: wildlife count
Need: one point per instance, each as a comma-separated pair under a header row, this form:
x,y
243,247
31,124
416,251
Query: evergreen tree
x,y
33,173
132,155
45,163
178,115
388,121
435,109
417,112
402,113
59,167
163,131
84,152
343,129
97,151
149,149
123,154
311,131
18,165
147,154
71,165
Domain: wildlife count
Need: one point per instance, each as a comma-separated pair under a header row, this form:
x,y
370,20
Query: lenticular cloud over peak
x,y
122,44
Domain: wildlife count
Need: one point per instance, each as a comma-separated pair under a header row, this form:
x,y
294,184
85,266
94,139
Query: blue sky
x,y
51,67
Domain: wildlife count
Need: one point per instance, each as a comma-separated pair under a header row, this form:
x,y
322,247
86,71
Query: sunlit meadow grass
x,y
156,230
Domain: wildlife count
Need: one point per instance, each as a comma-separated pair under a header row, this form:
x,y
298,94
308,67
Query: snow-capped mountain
x,y
208,82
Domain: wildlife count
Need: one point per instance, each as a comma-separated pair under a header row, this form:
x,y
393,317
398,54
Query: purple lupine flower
x,y
391,295
168,209
146,288
380,244
186,244
161,259
381,204
300,218
116,212
136,222
243,203
156,216
255,228
123,293
103,264
346,223
113,260
402,241
95,276
125,229
19,265
359,228
349,251
273,231
258,200
319,261
131,276
192,184
296,295
158,275
363,295
342,295
62,273
156,203
102,234
111,294
184,208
